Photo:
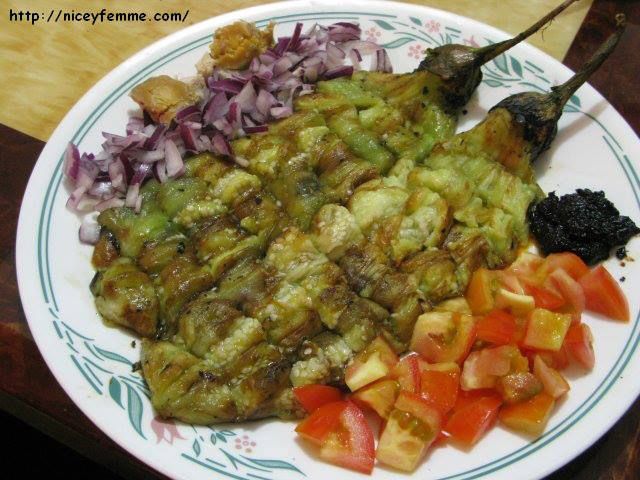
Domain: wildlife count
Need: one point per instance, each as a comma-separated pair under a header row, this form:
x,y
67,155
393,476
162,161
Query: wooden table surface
x,y
27,388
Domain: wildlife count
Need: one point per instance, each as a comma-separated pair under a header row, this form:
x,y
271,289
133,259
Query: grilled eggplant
x,y
273,276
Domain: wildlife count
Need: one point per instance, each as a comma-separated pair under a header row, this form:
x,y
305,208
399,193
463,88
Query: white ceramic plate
x,y
595,148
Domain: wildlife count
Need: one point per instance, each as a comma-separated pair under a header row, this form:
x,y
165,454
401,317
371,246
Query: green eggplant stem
x,y
563,92
488,53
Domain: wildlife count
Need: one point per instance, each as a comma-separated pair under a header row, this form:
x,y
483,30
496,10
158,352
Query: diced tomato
x,y
546,330
467,397
382,347
443,336
604,295
440,440
379,396
552,380
497,327
482,368
407,372
372,364
468,424
312,397
412,427
517,304
570,290
526,265
439,385
544,298
567,261
351,443
558,360
579,345
480,291
358,374
419,408
510,282
518,387
324,420
530,416
458,304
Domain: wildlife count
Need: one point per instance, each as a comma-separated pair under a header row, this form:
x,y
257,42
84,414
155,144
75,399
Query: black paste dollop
x,y
585,223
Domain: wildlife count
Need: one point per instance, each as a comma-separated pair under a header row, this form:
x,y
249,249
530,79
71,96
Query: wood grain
x,y
45,68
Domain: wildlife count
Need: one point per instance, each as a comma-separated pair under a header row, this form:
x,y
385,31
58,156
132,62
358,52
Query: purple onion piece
x,y
160,171
150,157
134,125
71,162
189,133
226,85
381,62
246,99
75,198
295,38
175,165
344,71
187,113
151,143
89,232
216,108
101,190
256,129
221,145
132,195
113,202
281,112
118,175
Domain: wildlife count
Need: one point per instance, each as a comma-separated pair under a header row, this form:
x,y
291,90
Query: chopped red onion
x,y
246,99
89,232
235,103
356,58
344,71
175,165
151,143
109,203
221,145
160,171
189,132
215,108
226,85
256,129
150,157
281,112
118,175
101,189
188,113
71,164
132,195
381,62
134,125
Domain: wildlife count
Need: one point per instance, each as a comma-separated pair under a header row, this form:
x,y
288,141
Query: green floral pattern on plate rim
x,y
97,365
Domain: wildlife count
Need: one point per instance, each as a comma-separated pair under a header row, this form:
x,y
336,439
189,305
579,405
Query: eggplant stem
x,y
563,92
488,53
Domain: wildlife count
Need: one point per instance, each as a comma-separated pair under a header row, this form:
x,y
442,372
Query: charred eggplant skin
x,y
458,69
458,66
537,114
